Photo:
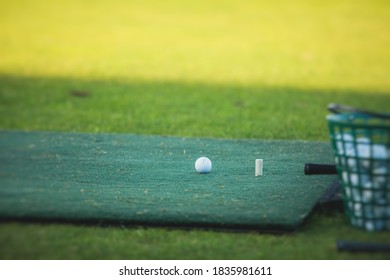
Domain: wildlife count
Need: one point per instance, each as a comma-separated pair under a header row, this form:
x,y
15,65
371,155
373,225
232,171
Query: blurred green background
x,y
226,69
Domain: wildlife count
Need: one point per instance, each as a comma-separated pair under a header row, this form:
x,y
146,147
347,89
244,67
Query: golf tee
x,y
258,167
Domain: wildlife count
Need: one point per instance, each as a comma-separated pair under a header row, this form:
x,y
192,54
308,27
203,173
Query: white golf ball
x,y
354,180
357,209
369,225
203,165
379,151
367,196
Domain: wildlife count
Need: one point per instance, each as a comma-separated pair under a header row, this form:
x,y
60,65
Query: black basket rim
x,y
345,109
358,120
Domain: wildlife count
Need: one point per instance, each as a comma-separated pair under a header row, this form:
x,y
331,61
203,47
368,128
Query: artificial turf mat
x,y
151,180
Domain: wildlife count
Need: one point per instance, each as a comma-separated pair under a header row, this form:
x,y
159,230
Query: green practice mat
x,y
151,180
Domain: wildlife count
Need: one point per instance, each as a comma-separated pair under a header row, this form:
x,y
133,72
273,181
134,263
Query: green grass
x,y
182,109
226,69
316,240
336,44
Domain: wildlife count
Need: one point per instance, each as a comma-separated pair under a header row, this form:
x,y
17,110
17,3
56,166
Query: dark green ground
x,y
223,69
152,180
46,104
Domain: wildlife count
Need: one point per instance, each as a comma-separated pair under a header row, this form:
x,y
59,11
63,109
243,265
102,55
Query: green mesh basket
x,y
361,145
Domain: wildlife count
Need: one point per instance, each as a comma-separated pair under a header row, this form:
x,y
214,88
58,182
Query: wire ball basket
x,y
361,146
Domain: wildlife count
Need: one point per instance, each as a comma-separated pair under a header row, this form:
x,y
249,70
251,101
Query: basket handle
x,y
338,109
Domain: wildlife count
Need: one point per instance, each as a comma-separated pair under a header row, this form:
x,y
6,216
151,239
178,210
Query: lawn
x,y
223,69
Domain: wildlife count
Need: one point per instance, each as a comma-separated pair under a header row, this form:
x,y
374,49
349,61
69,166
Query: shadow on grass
x,y
180,109
168,108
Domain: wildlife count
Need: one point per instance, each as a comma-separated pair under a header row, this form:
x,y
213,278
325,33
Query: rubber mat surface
x,y
151,180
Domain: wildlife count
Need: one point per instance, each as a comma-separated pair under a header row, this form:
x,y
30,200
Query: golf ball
x,y
203,165
369,225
